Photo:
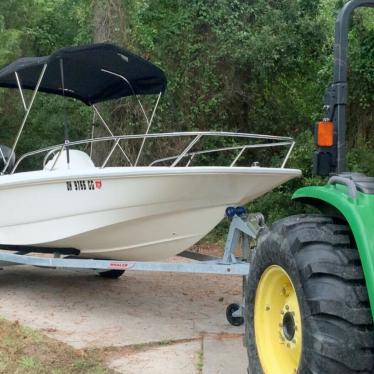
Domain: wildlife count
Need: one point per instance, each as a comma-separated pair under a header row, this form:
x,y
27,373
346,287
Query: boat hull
x,y
145,213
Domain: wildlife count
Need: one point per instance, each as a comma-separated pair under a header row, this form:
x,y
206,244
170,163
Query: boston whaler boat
x,y
131,211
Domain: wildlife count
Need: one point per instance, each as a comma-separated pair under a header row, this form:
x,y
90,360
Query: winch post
x,y
244,228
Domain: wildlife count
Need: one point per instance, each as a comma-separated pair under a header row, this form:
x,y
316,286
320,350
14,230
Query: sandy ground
x,y
147,322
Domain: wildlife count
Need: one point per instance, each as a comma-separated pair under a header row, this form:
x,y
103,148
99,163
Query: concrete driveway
x,y
147,322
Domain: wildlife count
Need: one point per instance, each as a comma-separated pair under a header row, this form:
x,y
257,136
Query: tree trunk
x,y
109,26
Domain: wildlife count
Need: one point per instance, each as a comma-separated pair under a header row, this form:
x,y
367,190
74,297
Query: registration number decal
x,y
84,185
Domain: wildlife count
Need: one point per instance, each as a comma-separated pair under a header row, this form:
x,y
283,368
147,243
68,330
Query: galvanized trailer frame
x,y
242,231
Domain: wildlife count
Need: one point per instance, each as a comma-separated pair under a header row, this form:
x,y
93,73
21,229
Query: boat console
x,y
77,160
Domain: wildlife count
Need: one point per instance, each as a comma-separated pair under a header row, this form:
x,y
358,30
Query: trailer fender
x,y
357,210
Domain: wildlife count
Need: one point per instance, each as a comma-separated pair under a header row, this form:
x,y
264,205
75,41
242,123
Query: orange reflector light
x,y
325,134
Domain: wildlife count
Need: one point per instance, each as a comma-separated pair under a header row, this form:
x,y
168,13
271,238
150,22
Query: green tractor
x,y
310,293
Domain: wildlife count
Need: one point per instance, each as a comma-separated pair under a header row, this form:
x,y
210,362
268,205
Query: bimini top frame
x,y
91,74
101,72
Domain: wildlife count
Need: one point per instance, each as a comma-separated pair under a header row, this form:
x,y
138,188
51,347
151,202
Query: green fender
x,y
358,212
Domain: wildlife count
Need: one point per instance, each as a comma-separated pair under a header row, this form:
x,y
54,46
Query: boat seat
x,y
5,153
78,160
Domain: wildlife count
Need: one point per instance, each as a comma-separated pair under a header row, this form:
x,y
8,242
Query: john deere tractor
x,y
310,294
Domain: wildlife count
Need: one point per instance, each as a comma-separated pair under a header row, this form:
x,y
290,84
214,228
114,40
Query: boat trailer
x,y
241,238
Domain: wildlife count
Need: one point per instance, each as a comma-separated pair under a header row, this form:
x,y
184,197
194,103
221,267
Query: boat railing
x,y
188,154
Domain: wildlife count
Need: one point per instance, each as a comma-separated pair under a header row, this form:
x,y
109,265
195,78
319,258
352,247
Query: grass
x,y
26,351
200,362
165,342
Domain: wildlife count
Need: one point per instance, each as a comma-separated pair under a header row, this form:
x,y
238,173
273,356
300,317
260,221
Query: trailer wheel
x,y
111,274
230,310
307,308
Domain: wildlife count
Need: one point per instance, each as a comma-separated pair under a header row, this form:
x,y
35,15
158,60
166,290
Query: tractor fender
x,y
358,212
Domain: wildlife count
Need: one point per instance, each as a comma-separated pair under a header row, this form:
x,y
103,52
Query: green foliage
x,y
34,28
362,159
258,66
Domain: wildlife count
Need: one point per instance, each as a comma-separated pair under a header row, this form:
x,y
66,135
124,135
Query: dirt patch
x,y
136,348
208,249
23,350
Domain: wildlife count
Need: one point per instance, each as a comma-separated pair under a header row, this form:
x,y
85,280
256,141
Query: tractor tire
x,y
111,274
307,307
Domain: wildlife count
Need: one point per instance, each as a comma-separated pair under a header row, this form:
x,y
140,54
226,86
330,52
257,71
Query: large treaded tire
x,y
321,259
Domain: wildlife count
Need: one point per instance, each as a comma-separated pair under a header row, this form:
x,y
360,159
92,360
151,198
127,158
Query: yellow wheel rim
x,y
277,323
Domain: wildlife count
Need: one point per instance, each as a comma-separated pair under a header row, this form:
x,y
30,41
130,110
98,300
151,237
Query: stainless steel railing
x,y
268,141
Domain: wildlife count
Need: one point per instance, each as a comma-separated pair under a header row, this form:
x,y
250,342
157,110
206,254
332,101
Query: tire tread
x,y
334,289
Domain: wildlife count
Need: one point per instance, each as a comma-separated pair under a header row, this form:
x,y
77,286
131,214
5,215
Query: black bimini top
x,y
83,75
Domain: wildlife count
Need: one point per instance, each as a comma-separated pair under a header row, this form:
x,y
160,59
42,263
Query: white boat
x,y
128,212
